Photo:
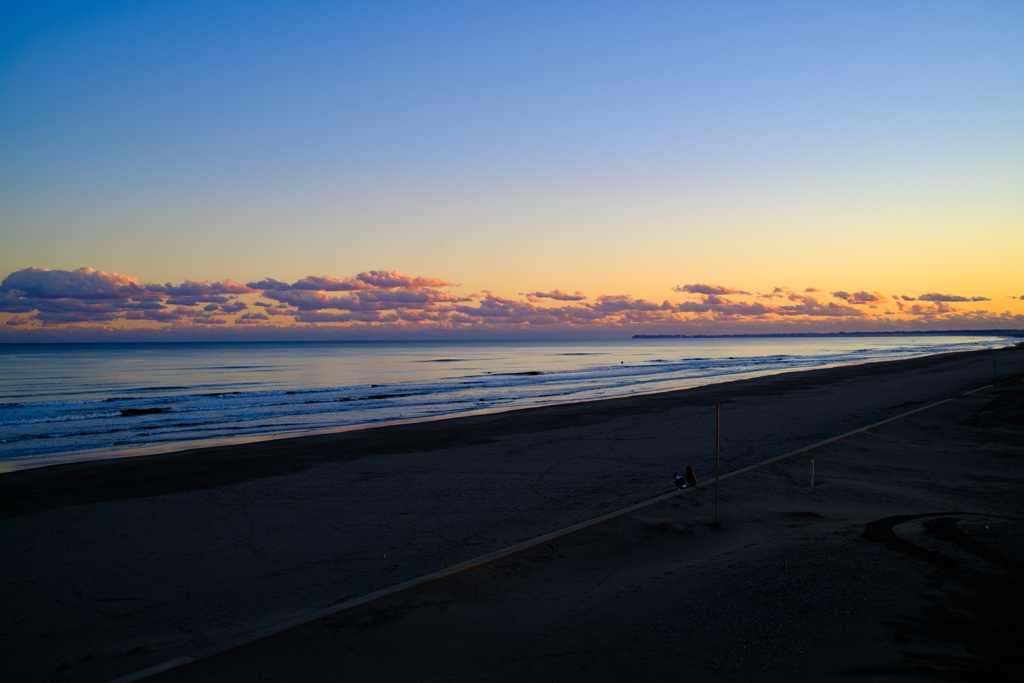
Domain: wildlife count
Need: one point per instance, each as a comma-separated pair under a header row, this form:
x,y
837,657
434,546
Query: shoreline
x,y
170,447
150,474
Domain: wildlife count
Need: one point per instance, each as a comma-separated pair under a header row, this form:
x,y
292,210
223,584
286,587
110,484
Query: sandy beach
x,y
904,559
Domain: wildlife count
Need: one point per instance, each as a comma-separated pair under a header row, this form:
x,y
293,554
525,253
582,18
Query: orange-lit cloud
x,y
36,298
60,297
950,298
927,310
860,298
777,293
707,289
374,279
557,295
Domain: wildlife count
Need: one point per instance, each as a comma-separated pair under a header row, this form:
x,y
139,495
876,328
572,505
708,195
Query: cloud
x,y
61,311
252,319
860,298
927,310
196,300
160,315
274,310
324,283
950,298
201,289
86,283
82,284
65,311
385,279
719,307
14,302
366,300
34,297
557,295
492,306
85,295
707,289
777,293
811,307
233,307
373,279
268,284
320,317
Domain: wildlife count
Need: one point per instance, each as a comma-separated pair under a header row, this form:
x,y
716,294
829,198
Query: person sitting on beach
x,y
690,477
684,480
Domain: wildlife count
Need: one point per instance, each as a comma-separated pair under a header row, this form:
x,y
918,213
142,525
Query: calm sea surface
x,y
67,402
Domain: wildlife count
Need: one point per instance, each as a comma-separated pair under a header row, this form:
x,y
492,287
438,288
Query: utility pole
x,y
718,453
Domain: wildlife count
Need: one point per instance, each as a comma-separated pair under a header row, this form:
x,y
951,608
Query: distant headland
x,y
893,333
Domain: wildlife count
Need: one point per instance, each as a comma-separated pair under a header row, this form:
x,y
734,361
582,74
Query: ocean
x,y
71,402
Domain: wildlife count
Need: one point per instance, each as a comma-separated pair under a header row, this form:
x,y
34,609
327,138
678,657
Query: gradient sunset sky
x,y
558,169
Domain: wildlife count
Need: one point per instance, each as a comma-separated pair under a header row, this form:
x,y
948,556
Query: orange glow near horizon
x,y
111,305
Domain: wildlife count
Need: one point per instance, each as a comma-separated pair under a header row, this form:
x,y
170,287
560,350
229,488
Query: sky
x,y
417,169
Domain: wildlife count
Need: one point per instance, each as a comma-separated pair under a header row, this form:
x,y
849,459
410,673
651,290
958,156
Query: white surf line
x,y
489,557
106,453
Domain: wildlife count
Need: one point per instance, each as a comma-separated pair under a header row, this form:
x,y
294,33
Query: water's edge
x,y
173,446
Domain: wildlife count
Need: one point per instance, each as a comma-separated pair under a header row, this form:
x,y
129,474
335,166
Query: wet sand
x,y
116,566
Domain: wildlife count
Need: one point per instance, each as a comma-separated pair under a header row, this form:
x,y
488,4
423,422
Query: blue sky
x,y
619,148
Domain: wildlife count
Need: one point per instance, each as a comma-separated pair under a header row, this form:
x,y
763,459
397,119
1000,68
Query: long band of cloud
x,y
59,299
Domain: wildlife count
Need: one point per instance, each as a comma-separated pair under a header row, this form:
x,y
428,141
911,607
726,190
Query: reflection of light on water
x,y
230,390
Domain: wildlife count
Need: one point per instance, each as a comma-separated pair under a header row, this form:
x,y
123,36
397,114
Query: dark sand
x,y
115,566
